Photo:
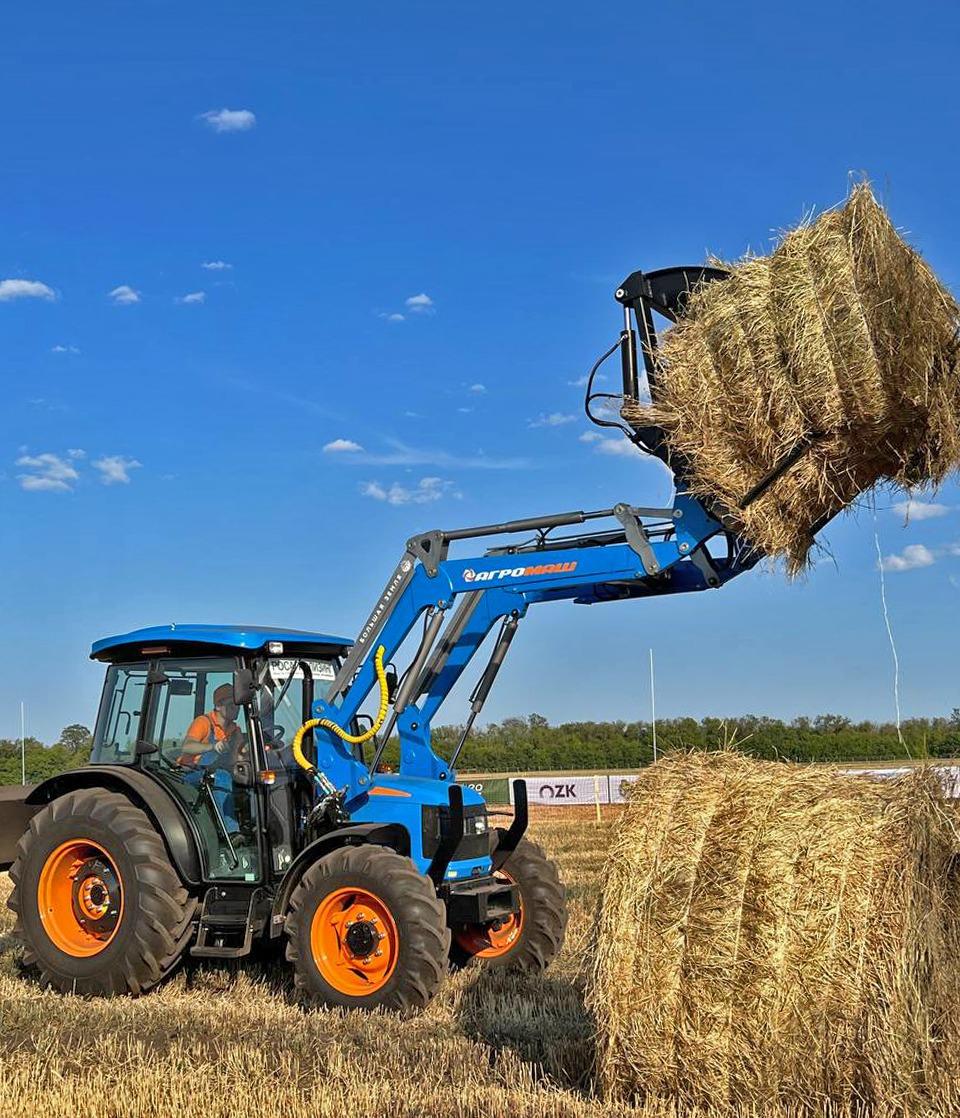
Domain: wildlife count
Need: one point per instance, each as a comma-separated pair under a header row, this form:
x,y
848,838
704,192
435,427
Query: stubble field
x,y
229,1041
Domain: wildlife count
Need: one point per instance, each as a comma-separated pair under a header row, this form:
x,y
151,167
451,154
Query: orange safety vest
x,y
206,730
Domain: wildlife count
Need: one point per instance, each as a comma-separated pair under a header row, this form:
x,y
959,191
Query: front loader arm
x,y
459,601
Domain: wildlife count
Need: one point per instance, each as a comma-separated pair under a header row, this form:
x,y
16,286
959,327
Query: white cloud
x,y
192,299
25,289
114,469
616,445
465,411
605,409
402,454
554,419
124,295
920,510
75,453
48,473
416,304
229,120
428,489
342,446
216,265
64,349
912,558
420,304
581,382
478,389
373,489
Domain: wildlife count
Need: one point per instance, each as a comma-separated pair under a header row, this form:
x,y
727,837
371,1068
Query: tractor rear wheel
x,y
100,909
531,938
366,930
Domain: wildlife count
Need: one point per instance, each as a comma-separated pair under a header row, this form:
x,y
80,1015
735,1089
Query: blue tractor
x,y
236,794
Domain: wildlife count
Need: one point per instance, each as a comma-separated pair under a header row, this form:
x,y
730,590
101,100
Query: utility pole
x,y
653,706
23,747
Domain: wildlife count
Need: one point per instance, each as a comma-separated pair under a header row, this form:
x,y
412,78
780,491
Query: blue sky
x,y
234,234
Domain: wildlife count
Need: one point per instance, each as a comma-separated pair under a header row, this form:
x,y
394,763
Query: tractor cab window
x,y
286,688
118,723
197,744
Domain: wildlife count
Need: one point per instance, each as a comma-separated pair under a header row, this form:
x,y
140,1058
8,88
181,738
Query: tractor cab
x,y
210,712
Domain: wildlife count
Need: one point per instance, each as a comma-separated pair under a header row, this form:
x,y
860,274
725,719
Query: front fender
x,y
378,834
166,814
16,812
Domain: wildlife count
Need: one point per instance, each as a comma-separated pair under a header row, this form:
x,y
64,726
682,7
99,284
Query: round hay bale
x,y
778,935
842,339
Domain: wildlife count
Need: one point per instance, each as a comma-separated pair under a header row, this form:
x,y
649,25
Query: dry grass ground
x,y
229,1041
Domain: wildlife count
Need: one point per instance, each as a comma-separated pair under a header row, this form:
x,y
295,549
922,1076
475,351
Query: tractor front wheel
x,y
366,930
530,939
100,909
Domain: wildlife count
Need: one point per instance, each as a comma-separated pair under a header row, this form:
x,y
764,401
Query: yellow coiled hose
x,y
326,724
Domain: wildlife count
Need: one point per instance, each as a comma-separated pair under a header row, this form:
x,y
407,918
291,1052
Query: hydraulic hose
x,y
339,731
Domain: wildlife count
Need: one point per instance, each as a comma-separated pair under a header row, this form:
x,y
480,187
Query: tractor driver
x,y
213,741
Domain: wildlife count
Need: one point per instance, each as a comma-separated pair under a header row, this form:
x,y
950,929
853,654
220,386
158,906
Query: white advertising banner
x,y
563,791
617,784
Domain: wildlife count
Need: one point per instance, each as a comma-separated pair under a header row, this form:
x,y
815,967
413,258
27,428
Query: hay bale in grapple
x,y
843,339
778,935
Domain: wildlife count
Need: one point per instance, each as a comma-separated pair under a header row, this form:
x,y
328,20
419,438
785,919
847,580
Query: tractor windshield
x,y
287,687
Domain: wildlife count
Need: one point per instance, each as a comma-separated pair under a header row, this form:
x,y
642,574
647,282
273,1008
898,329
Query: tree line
x,y
532,744
69,751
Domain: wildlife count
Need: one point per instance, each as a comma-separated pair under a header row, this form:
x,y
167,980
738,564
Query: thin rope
x,y
886,620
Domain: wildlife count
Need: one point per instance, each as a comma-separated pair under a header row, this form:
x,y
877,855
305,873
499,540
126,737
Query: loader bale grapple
x,y
236,795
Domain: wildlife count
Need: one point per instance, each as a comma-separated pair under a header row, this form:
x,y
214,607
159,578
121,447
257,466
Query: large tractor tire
x,y
531,938
100,909
366,930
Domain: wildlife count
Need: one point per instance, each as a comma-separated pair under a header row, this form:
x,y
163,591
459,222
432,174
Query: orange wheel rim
x,y
80,898
354,941
488,941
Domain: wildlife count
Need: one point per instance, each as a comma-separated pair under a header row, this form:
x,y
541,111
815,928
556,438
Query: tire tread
x,y
428,941
164,911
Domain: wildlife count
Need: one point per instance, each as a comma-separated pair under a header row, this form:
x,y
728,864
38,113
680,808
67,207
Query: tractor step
x,y
229,919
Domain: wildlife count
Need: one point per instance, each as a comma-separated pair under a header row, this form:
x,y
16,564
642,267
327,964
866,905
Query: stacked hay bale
x,y
842,339
773,935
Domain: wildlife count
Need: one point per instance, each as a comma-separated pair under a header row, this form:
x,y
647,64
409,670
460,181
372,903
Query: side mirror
x,y
244,687
145,748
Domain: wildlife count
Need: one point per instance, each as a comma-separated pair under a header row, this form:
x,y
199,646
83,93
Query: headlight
x,y
475,824
436,823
